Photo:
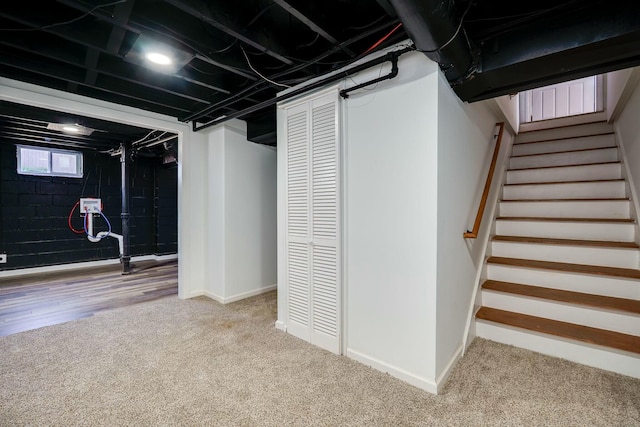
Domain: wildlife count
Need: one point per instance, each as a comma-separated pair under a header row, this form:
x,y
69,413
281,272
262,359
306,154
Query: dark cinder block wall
x,y
34,211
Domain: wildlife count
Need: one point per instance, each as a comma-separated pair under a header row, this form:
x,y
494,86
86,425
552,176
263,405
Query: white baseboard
x,y
444,375
422,383
233,298
248,294
82,265
281,326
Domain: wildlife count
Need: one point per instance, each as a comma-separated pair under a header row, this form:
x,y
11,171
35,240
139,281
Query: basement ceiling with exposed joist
x,y
230,56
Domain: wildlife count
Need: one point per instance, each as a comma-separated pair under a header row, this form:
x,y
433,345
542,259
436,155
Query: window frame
x,y
50,152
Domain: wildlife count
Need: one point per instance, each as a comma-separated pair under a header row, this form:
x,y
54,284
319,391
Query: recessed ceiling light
x,y
159,58
75,129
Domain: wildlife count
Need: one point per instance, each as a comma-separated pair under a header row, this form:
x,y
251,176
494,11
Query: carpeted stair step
x,y
590,300
625,342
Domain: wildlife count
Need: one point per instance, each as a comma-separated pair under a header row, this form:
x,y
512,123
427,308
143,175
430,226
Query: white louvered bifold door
x,y
324,224
313,257
298,230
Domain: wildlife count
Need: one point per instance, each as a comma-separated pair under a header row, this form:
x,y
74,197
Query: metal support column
x,y
125,162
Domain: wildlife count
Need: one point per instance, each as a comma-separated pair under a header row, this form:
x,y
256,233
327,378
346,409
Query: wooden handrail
x,y
487,185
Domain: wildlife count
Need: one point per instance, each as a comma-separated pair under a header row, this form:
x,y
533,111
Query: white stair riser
x,y
565,132
582,143
592,255
573,190
625,323
617,232
566,173
617,209
560,159
591,355
576,282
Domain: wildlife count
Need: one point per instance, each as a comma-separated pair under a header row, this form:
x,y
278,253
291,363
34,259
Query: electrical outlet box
x,y
90,205
3,258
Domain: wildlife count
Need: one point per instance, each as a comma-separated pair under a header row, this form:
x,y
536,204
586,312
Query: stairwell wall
x,y
627,129
465,148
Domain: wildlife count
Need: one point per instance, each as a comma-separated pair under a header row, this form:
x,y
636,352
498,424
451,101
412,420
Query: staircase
x,y
563,277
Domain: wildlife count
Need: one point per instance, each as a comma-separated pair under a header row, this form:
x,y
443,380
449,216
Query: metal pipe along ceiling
x,y
435,28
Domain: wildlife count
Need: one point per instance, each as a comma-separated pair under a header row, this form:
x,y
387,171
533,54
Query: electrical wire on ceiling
x,y
454,34
70,21
259,74
379,42
315,39
370,24
531,14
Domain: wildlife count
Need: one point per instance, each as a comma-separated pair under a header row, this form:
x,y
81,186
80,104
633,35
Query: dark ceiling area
x,y
233,57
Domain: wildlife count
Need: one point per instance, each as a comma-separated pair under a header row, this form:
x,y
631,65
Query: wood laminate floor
x,y
33,301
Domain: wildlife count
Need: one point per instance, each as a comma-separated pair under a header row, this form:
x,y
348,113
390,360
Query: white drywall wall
x,y
465,146
390,179
215,214
620,85
627,128
509,105
250,214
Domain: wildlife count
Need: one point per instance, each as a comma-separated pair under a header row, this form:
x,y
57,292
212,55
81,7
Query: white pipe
x,y
90,235
101,235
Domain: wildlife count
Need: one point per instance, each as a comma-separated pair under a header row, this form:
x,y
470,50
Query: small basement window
x,y
49,162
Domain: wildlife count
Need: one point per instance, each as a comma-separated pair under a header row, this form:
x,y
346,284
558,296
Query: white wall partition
x,y
412,157
241,214
465,147
391,226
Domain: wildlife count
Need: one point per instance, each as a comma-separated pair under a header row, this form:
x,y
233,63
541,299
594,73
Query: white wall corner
x,y
426,384
241,296
620,86
446,372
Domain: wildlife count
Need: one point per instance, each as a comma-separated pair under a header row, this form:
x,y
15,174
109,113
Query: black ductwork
x,y
434,26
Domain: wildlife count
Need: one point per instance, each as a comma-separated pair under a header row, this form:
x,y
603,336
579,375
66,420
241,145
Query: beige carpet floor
x,y
198,363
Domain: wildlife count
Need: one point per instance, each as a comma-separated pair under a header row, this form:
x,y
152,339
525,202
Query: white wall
x,y
240,216
619,87
510,107
215,214
627,127
465,148
390,222
250,215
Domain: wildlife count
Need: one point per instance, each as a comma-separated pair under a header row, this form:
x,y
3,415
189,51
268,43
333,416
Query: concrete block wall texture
x,y
34,211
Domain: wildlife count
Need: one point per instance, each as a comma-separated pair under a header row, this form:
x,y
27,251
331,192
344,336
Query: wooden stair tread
x,y
562,266
571,242
566,166
561,219
586,334
561,139
564,152
578,298
566,182
600,199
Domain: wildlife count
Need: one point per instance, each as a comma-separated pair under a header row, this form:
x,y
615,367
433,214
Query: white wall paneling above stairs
x,y
563,274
